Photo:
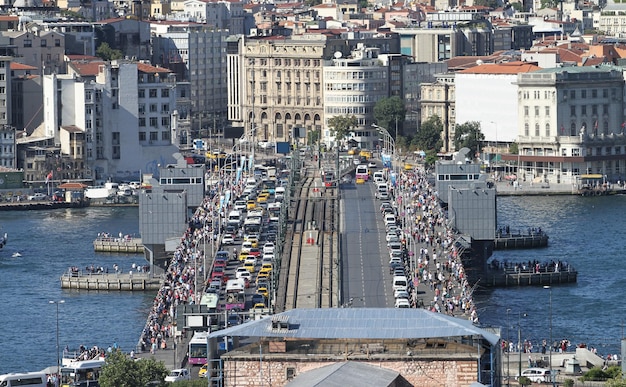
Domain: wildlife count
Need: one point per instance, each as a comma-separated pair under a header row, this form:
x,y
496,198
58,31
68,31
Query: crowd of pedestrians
x,y
435,258
184,277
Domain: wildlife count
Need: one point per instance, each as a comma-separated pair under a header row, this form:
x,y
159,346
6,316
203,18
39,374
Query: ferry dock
x,y
118,245
137,281
532,274
505,241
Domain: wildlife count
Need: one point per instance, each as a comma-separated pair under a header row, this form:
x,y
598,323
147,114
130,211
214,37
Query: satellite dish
x,y
338,54
479,62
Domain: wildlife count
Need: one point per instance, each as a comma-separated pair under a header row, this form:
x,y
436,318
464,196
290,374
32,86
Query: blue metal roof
x,y
358,323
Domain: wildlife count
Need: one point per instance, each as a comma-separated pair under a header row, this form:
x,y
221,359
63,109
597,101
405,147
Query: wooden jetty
x,y
114,281
511,277
118,245
519,241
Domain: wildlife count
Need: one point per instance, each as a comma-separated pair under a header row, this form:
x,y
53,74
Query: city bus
x,y
211,301
362,172
33,379
235,294
84,373
329,179
198,349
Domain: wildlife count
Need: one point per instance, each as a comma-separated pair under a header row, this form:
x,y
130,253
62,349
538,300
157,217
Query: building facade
x,y
352,87
438,98
571,124
197,55
275,84
124,109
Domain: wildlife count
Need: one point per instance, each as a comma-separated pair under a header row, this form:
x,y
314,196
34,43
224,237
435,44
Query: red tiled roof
x,y
21,66
502,68
87,69
148,68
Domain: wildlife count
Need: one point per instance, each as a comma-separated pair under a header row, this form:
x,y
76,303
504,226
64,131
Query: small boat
x,y
101,192
16,254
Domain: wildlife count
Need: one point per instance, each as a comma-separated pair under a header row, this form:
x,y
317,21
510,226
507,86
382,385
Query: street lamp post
x,y
58,352
508,352
550,343
389,143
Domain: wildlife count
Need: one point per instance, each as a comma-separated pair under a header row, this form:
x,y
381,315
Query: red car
x,y
254,251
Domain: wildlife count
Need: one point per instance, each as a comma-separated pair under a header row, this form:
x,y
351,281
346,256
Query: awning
x,y
592,176
72,186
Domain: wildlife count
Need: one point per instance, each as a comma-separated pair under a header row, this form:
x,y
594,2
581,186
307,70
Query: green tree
x,y
428,138
121,371
388,112
341,126
514,148
493,4
468,135
105,52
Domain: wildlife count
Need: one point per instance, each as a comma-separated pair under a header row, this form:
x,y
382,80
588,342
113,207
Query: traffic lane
x,y
365,273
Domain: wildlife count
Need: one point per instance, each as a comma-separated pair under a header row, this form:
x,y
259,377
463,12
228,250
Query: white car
x,y
401,294
536,375
228,239
178,374
392,237
241,272
268,248
38,196
402,303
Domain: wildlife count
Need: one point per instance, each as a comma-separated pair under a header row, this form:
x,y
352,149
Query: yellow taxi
x,y
243,255
249,265
267,267
254,242
263,274
365,153
408,167
263,290
360,180
262,198
203,371
353,151
250,205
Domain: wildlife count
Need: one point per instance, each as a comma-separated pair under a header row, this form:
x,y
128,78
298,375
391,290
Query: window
x,y
142,93
572,110
165,136
526,111
142,136
547,111
154,122
572,94
537,134
583,94
536,111
154,136
153,93
547,130
165,93
165,121
526,130
57,42
594,93
28,43
44,42
153,108
142,121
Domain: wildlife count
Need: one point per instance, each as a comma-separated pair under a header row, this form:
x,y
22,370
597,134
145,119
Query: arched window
x,y
547,130
526,130
572,129
537,134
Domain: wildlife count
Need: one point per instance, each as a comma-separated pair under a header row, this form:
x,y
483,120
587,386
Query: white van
x,y
234,218
251,183
279,193
400,283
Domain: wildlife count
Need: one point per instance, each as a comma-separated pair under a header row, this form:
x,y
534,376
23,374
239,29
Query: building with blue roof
x,y
413,346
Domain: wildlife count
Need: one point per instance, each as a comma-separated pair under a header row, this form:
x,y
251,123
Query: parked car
x,y
178,374
536,375
38,196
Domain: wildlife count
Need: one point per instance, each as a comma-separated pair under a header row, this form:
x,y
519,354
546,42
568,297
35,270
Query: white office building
x,y
352,86
124,109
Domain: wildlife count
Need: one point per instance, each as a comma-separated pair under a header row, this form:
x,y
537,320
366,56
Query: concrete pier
x,y
118,245
507,278
121,282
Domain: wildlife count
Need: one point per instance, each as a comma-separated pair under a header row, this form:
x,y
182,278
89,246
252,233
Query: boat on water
x,y
101,192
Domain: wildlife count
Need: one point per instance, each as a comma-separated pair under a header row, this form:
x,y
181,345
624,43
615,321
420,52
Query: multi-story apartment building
x,y
196,53
275,84
447,35
571,123
26,98
7,130
352,86
223,15
38,48
124,109
438,98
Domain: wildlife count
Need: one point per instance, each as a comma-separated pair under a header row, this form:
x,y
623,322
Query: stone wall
x,y
419,373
